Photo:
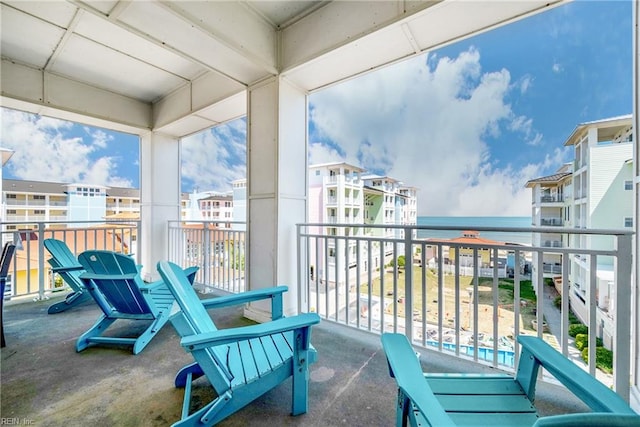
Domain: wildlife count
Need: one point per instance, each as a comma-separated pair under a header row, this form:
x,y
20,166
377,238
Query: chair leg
x,y
150,332
72,300
300,400
95,331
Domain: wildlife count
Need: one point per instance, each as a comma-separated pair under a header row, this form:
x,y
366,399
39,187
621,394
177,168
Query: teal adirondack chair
x,y
65,263
431,399
240,363
114,282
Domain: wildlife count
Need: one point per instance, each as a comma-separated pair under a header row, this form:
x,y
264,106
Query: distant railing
x,y
29,272
420,288
558,222
218,248
551,198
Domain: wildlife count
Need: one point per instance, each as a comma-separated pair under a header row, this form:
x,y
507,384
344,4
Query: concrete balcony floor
x,y
46,383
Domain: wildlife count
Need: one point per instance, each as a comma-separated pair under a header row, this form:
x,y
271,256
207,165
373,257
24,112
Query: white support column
x,y
635,291
276,188
159,197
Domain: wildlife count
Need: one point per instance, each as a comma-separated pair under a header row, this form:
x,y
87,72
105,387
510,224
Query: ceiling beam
x,y
41,92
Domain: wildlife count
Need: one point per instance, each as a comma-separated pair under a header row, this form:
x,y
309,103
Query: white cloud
x,y
321,153
557,68
525,83
425,121
44,151
215,157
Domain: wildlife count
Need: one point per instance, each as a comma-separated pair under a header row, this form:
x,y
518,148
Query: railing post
x,y
408,282
41,260
206,255
622,312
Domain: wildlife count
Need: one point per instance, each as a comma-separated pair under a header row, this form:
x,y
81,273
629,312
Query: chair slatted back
x,y
194,313
62,257
117,277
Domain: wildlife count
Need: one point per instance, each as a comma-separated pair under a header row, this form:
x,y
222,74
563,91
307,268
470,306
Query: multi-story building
x,y
239,196
594,191
551,206
217,207
339,194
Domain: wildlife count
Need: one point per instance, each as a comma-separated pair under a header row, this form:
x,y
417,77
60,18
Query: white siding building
x,y
594,191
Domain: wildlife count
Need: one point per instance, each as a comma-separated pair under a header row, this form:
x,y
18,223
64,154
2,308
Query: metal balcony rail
x,y
217,247
454,297
30,275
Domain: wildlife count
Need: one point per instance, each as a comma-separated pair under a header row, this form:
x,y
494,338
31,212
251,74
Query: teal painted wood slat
x,y
271,352
492,403
248,362
478,385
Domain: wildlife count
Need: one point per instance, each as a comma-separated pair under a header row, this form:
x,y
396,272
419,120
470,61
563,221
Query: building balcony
x,y
551,198
356,299
349,381
554,222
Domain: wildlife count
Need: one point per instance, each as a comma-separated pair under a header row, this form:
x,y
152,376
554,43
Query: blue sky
x,y
467,124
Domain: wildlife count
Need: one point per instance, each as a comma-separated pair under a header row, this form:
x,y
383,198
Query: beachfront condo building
x,y
594,191
340,194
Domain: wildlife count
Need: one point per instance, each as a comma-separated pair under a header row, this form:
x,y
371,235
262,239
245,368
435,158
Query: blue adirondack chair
x,y
240,363
114,282
64,262
432,399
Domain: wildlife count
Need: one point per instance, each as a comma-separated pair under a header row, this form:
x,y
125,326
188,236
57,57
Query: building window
x,y
38,212
38,197
11,211
628,184
317,173
11,196
628,222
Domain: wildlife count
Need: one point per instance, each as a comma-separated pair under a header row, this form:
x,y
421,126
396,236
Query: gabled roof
x,y
607,128
549,179
469,237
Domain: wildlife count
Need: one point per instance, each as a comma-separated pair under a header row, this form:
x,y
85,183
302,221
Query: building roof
x,y
549,179
26,186
334,164
468,237
607,128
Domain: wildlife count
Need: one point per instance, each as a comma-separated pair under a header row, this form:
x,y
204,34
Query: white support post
x,y
159,197
276,188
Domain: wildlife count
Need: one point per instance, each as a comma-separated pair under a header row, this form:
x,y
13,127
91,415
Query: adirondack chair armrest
x,y
405,367
226,336
600,419
536,353
65,269
150,286
275,294
107,276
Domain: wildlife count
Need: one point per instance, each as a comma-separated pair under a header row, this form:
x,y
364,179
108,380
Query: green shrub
x,y
578,328
582,341
558,301
401,261
604,358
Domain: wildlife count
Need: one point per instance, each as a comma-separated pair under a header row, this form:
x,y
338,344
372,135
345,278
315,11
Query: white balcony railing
x,y
30,274
447,297
450,296
218,248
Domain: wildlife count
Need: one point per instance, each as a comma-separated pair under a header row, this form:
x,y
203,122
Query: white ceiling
x,y
184,66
